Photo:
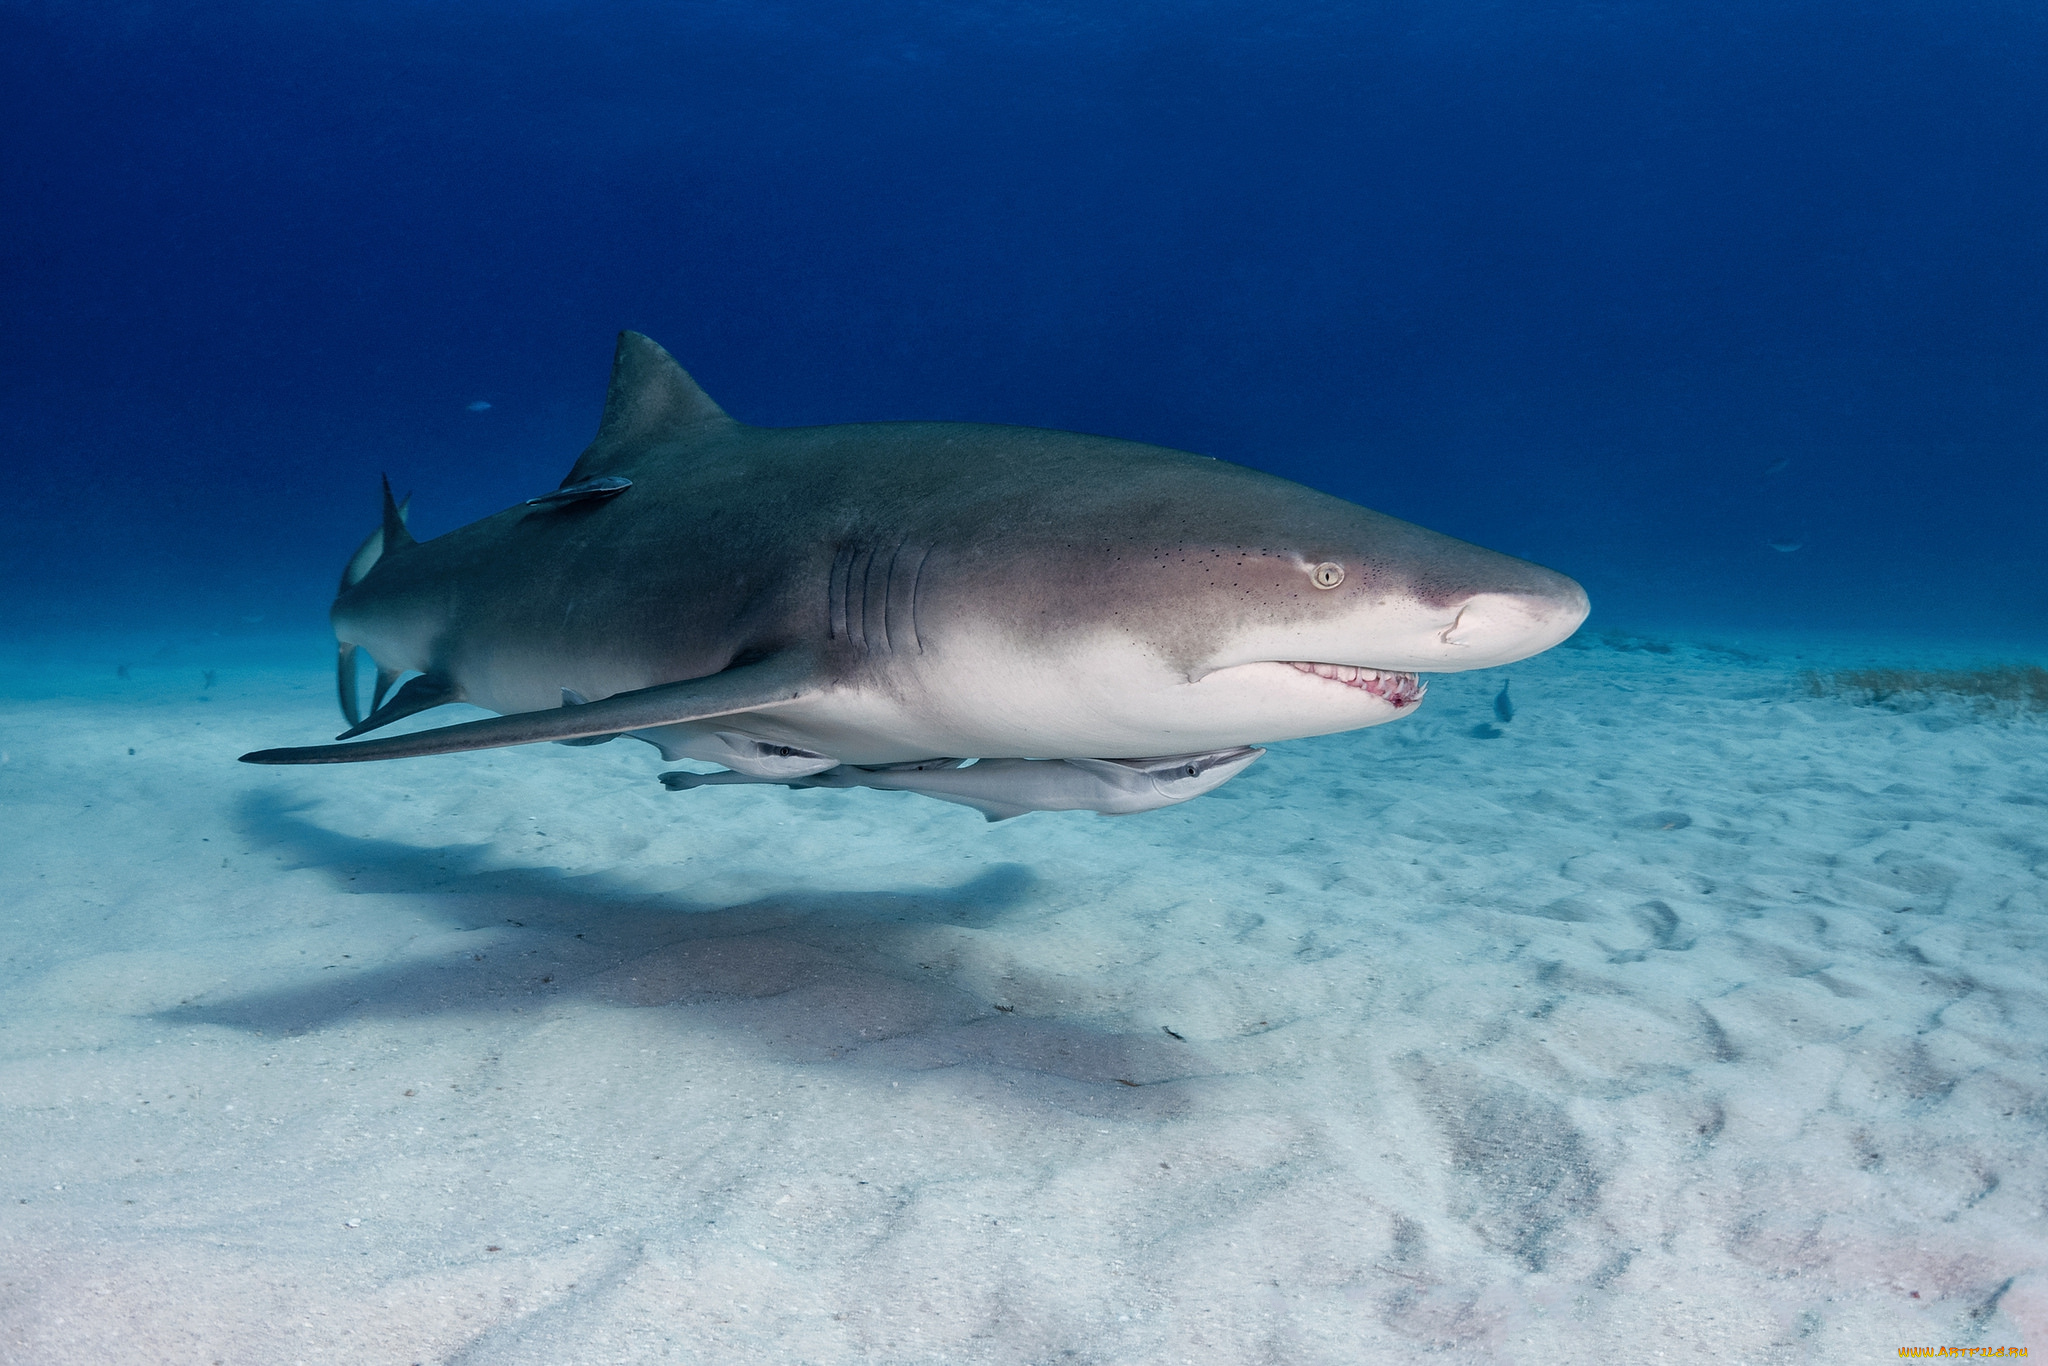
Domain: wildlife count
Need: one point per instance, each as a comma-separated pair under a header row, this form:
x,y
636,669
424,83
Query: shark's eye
x,y
1326,575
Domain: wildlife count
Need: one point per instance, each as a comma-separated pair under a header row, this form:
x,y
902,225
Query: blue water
x,y
1681,1003
1651,293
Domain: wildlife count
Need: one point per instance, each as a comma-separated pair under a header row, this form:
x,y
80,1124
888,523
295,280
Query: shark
x,y
1009,618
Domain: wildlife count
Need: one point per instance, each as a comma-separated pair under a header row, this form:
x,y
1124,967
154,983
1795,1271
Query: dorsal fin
x,y
651,399
396,535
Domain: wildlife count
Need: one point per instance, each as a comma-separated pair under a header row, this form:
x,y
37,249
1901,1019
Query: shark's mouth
x,y
1397,690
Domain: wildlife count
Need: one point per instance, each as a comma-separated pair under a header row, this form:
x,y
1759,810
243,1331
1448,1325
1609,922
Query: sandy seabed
x,y
1689,1018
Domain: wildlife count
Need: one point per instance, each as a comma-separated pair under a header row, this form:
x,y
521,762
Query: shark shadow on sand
x,y
865,978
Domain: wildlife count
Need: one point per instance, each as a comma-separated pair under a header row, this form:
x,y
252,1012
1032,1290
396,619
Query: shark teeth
x,y
1396,689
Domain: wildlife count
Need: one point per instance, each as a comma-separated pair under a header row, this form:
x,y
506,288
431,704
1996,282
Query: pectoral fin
x,y
386,678
418,695
774,682
572,698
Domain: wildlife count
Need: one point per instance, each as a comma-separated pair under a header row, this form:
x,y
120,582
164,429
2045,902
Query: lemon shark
x,y
1006,617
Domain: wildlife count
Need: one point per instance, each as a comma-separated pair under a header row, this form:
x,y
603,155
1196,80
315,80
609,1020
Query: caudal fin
x,y
359,564
372,549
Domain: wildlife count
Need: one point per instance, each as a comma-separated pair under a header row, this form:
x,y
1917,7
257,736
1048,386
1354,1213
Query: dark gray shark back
x,y
684,545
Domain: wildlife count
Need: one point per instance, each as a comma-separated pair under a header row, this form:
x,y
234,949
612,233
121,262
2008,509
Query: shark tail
x,y
392,533
345,683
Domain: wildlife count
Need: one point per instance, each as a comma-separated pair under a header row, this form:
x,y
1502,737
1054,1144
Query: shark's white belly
x,y
1103,702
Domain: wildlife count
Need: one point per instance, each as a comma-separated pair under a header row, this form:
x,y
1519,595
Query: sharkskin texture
x,y
1076,589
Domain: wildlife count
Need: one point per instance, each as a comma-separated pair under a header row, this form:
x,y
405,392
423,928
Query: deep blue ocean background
x,y
1640,291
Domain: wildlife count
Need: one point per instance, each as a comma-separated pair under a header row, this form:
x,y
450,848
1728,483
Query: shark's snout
x,y
1499,628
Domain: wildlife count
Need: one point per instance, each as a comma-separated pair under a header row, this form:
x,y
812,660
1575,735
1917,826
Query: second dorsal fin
x,y
651,399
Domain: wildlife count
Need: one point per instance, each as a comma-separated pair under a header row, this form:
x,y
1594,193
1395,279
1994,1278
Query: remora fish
x,y
789,601
1002,788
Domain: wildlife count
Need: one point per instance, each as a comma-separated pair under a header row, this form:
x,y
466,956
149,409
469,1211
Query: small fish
x,y
480,406
1778,467
1503,709
1785,547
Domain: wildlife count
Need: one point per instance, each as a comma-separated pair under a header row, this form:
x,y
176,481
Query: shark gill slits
x,y
1328,574
876,609
835,592
857,598
899,605
871,597
916,578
